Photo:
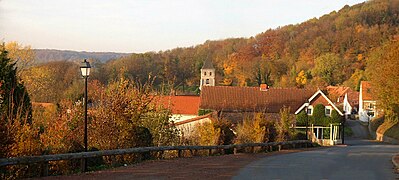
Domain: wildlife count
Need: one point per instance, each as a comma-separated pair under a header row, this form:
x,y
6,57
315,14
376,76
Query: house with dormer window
x,y
318,98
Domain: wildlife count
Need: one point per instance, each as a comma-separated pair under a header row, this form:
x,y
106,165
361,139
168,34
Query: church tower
x,y
207,74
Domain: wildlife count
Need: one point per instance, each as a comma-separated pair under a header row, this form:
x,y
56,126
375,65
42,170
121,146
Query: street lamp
x,y
85,69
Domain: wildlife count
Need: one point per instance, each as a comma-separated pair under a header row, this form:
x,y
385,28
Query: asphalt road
x,y
359,131
360,159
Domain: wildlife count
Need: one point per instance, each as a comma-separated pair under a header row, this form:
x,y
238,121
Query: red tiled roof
x,y
229,98
366,90
353,98
181,104
335,92
338,93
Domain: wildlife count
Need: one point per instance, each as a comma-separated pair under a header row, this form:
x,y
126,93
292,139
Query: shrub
x,y
250,130
301,119
283,127
226,134
206,134
335,117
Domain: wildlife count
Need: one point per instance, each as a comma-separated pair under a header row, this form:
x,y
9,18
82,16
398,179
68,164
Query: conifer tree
x,y
14,100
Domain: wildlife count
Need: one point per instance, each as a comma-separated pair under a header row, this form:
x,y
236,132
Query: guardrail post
x,y
82,165
45,168
210,152
179,153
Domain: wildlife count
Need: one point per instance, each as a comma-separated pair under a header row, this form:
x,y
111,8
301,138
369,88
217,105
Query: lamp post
x,y
85,69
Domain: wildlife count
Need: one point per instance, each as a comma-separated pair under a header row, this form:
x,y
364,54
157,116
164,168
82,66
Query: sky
x,y
148,25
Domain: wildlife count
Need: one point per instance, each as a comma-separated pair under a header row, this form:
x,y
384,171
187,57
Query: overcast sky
x,y
148,25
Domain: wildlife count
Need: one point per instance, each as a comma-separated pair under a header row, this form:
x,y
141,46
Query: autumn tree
x,y
23,56
53,81
383,68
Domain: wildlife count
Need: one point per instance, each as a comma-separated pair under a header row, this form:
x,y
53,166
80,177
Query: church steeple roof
x,y
208,65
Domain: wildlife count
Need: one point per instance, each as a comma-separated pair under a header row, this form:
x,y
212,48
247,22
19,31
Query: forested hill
x,y
334,49
330,50
47,55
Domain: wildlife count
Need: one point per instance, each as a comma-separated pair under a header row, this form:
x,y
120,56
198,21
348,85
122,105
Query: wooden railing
x,y
57,157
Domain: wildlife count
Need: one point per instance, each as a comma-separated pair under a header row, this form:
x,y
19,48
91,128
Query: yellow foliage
x,y
206,134
251,130
23,55
360,57
301,79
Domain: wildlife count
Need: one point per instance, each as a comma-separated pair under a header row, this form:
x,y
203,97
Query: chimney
x,y
264,87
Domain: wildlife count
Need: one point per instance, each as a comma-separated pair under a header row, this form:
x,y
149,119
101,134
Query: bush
x,y
250,130
283,127
226,134
301,119
335,117
206,134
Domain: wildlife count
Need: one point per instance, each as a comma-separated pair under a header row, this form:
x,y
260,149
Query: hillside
x,y
334,49
47,55
330,50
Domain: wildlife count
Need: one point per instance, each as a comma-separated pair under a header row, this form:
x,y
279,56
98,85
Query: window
x,y
371,106
205,73
328,111
309,111
210,73
370,113
207,81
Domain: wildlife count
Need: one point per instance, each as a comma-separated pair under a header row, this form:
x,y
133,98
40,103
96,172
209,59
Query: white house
x,y
367,103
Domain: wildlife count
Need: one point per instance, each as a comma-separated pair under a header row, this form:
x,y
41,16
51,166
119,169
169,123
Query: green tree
x,y
329,67
14,99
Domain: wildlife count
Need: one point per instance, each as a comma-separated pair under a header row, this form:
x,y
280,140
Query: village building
x,y
182,107
235,103
345,99
207,75
184,111
367,102
318,98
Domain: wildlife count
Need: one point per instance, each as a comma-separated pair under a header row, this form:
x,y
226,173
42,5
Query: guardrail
x,y
82,155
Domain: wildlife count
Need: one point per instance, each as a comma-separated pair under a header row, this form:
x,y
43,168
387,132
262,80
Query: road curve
x,y
361,159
